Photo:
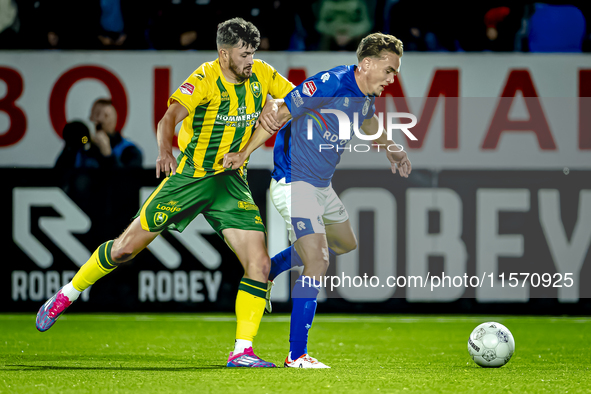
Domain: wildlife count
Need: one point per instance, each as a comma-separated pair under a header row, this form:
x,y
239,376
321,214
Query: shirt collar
x,y
351,75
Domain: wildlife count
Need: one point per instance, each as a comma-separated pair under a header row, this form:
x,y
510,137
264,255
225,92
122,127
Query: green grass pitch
x,y
179,353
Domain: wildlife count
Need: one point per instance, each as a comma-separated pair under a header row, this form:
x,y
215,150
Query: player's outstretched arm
x,y
235,160
396,155
166,163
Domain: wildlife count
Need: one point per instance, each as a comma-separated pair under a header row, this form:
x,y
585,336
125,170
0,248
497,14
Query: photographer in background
x,y
79,167
109,140
85,167
81,152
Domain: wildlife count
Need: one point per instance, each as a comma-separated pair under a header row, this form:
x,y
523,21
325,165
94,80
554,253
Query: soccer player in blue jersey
x,y
304,163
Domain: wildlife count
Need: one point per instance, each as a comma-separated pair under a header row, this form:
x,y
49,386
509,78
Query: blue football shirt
x,y
297,157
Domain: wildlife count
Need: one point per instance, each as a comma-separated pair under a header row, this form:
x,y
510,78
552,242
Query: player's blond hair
x,y
375,43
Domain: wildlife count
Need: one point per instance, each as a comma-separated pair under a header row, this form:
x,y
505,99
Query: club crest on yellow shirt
x,y
255,88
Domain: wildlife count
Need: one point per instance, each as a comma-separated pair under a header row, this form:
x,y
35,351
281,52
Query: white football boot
x,y
304,361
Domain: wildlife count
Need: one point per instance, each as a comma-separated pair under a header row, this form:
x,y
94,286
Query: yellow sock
x,y
250,305
99,265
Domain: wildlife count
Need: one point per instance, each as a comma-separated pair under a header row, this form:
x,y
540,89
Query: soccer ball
x,y
491,345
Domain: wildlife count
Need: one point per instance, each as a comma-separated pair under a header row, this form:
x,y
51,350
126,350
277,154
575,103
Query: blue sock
x,y
286,260
283,261
304,296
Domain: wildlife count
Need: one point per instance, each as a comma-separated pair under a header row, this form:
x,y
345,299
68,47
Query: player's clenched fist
x,y
166,164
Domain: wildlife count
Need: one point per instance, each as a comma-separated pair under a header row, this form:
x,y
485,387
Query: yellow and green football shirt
x,y
222,115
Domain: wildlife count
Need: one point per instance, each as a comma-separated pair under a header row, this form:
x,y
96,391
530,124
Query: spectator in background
x,y
502,24
85,164
184,24
342,23
88,24
32,32
80,151
304,36
77,168
191,24
109,140
556,28
435,29
276,19
111,33
9,24
71,24
497,25
123,24
404,20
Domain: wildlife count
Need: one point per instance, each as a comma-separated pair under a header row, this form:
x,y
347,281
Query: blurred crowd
x,y
302,25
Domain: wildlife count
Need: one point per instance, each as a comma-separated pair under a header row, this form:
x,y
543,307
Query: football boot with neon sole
x,y
248,359
52,310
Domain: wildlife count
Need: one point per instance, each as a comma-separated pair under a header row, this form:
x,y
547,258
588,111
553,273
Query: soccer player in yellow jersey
x,y
219,105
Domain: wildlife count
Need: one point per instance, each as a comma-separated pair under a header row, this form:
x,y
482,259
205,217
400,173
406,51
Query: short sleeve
x,y
193,91
279,86
315,92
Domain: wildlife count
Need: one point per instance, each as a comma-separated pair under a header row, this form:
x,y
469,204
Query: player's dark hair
x,y
375,43
233,31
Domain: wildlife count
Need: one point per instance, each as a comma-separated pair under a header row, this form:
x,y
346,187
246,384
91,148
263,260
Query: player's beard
x,y
240,76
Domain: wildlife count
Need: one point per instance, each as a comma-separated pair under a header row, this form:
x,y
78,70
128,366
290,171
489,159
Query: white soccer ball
x,y
491,344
